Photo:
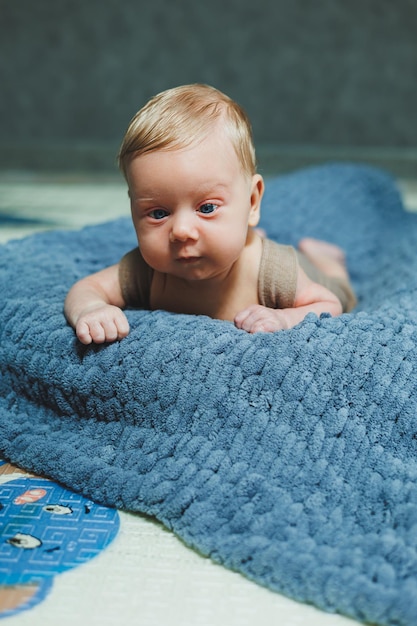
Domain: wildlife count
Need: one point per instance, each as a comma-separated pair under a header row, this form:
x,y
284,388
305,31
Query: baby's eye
x,y
158,214
207,208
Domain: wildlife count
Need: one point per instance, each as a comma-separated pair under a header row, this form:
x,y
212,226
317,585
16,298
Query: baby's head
x,y
180,117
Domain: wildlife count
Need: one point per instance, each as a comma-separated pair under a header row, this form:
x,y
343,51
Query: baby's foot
x,y
327,257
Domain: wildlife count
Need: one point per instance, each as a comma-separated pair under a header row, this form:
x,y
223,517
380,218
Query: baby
x,y
195,196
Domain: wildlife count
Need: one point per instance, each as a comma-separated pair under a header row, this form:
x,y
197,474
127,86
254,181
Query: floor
x,y
145,575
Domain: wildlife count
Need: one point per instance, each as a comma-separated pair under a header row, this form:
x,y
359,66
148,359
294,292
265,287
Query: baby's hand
x,y
260,319
102,323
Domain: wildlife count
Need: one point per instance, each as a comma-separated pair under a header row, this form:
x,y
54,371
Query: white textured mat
x,y
148,577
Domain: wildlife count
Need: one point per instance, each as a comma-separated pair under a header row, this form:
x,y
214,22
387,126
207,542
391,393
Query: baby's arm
x,y
310,297
93,307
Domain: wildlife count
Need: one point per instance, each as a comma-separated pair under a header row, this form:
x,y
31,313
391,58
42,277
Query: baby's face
x,y
192,207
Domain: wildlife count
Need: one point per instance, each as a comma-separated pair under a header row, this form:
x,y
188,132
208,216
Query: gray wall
x,y
317,77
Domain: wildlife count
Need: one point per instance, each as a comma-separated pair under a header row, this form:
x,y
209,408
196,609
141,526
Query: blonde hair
x,y
178,117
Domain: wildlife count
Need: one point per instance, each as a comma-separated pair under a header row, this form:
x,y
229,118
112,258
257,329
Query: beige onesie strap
x,y
278,273
135,278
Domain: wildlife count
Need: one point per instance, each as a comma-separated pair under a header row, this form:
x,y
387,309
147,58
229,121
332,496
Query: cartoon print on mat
x,y
45,530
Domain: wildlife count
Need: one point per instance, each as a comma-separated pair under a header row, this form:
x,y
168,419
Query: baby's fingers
x,y
94,330
98,332
259,319
83,333
102,331
102,328
241,319
248,319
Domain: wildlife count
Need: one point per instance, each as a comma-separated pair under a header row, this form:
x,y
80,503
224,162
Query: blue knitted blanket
x,y
289,457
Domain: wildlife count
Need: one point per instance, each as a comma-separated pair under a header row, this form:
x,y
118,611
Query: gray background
x,y
320,79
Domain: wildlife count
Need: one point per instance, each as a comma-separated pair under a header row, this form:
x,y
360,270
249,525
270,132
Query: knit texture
x,y
289,457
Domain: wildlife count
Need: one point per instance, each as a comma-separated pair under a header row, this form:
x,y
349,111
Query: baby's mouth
x,y
187,260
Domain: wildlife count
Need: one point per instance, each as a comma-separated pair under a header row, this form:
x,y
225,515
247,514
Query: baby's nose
x,y
183,229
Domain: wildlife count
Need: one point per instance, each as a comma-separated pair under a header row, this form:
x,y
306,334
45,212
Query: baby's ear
x,y
257,191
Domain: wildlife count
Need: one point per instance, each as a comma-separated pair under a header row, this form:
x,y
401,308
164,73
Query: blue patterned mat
x,y
290,457
45,530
